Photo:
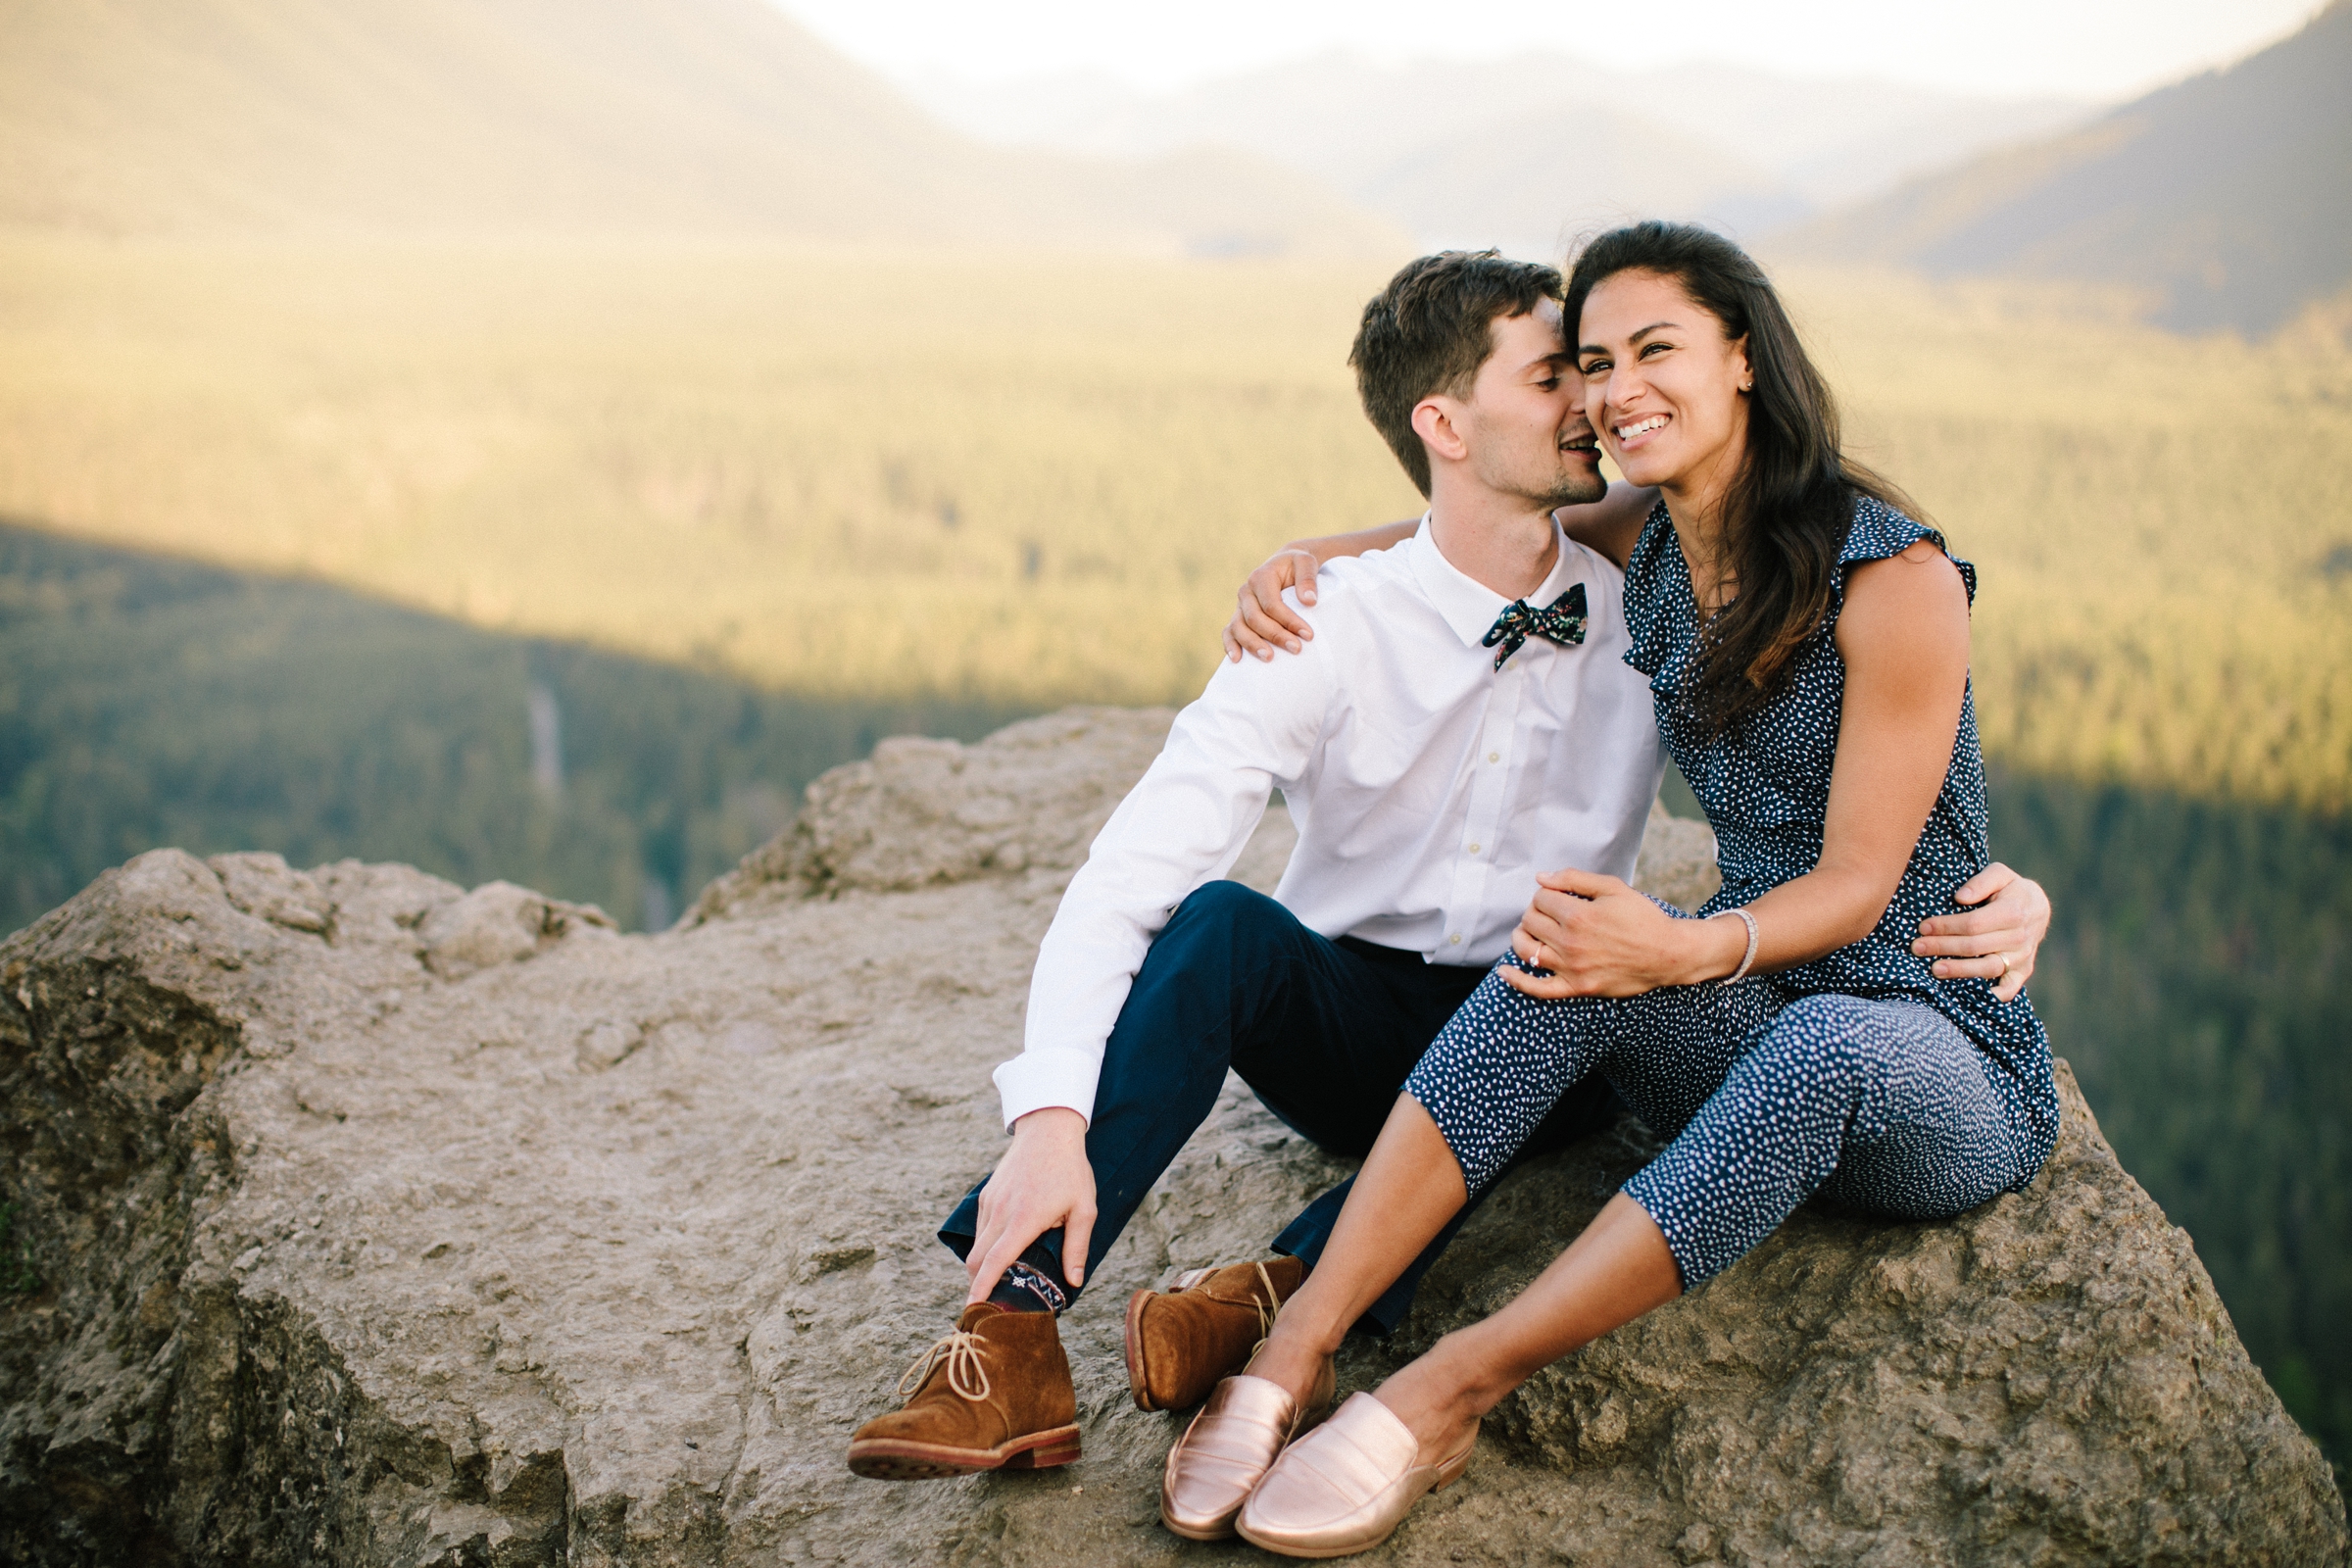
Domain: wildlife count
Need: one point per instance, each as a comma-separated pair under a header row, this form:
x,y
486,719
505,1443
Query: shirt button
x,y
1455,939
1473,848
1493,756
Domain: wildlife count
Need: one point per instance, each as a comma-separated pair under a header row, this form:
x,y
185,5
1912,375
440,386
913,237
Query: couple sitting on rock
x,y
1453,975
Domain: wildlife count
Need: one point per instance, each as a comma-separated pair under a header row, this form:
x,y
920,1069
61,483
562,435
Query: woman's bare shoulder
x,y
1913,597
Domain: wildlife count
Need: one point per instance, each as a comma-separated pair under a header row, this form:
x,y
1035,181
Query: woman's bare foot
x,y
1439,1402
1291,1361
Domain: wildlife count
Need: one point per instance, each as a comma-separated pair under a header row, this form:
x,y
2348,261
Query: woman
x,y
1808,648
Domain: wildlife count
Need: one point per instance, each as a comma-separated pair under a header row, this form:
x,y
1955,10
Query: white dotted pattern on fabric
x,y
1859,1074
1881,1106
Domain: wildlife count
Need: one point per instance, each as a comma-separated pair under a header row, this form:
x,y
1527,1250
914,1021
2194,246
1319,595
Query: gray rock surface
x,y
923,812
367,1221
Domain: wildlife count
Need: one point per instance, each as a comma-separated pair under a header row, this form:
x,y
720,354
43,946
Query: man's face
x,y
1524,421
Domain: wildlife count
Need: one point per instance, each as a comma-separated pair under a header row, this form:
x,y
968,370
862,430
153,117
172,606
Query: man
x,y
1464,722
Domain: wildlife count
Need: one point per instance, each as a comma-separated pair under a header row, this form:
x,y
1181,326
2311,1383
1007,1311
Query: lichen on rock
x,y
370,1221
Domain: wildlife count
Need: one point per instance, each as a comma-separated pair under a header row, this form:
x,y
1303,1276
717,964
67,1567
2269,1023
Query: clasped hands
x,y
1596,937
1599,938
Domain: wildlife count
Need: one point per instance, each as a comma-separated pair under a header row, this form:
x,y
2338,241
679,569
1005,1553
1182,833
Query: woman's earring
x,y
1747,387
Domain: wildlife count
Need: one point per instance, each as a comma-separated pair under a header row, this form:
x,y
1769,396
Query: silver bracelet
x,y
1745,958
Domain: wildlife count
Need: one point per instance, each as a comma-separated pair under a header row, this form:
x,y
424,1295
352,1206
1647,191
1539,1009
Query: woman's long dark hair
x,y
1786,514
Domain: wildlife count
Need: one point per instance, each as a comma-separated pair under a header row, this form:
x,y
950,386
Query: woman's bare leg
x,y
1411,1186
1617,1269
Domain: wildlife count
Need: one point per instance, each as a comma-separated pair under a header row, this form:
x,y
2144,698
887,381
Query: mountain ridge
x,y
1530,148
588,118
2221,200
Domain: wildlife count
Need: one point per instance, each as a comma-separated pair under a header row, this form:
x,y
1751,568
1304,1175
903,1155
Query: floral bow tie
x,y
1563,623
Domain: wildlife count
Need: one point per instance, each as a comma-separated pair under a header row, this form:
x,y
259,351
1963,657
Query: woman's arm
x,y
1263,620
1904,639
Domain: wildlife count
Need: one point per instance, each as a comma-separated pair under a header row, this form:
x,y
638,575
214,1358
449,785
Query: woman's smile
x,y
1633,434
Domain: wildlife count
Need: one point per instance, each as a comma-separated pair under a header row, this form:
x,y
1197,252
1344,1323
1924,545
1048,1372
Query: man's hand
x,y
1043,1181
1995,941
1262,623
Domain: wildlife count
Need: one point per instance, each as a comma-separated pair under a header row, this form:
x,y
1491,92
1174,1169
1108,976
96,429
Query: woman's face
x,y
1662,384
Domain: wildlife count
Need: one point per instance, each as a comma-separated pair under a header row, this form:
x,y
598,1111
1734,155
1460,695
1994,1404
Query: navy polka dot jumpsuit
x,y
1859,1075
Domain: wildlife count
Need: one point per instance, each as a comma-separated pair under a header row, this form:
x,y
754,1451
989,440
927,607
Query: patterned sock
x,y
1027,1288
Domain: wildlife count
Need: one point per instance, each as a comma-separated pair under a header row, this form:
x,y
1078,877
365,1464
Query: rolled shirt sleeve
x,y
1185,823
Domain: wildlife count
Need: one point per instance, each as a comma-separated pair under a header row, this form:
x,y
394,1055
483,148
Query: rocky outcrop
x,y
924,812
357,1220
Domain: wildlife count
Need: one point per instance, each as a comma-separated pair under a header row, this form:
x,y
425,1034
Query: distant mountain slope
x,y
1533,182
554,116
2228,197
1530,148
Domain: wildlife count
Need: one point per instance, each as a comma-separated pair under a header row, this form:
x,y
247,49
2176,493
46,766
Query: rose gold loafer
x,y
1344,1487
1221,1456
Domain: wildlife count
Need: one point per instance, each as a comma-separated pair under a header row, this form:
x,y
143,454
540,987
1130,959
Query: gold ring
x,y
2004,974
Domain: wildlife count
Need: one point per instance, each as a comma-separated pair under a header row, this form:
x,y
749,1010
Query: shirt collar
x,y
1469,606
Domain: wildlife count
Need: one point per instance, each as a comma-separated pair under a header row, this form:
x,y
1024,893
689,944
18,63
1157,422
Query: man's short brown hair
x,y
1430,330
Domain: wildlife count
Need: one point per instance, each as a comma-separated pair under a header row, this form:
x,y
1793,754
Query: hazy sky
x,y
2081,48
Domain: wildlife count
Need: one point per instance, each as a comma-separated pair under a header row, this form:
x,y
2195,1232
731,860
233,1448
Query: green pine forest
x,y
2192,977
146,701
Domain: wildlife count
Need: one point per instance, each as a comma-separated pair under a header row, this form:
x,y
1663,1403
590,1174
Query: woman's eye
x,y
1648,349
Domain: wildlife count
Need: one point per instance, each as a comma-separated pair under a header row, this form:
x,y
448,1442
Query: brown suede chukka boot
x,y
1202,1327
995,1394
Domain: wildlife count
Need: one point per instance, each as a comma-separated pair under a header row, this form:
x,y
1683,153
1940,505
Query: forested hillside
x,y
2196,980
780,461
146,701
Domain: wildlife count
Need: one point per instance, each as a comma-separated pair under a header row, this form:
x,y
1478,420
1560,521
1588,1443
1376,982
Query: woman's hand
x,y
1263,622
1262,619
1998,939
1599,938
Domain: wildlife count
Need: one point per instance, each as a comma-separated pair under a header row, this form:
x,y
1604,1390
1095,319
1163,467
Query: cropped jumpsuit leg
x,y
1884,1105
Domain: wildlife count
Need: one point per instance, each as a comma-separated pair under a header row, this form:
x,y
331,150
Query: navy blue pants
x,y
1324,1031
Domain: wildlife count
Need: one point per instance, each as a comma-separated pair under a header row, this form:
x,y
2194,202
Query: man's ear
x,y
1434,423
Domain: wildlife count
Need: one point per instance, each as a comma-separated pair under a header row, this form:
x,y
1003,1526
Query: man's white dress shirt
x,y
1428,788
